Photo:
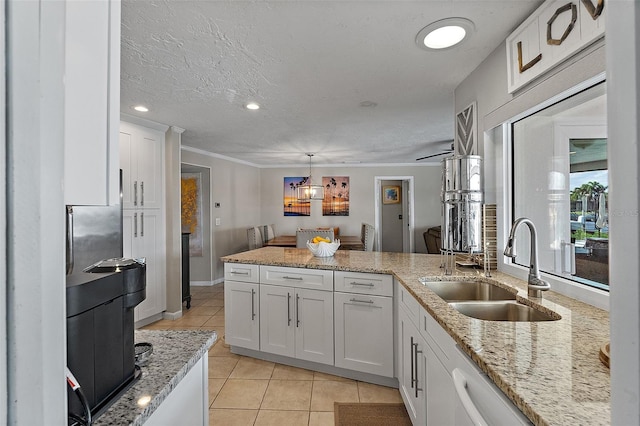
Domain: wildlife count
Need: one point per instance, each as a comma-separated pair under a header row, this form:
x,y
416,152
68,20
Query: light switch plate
x,y
217,221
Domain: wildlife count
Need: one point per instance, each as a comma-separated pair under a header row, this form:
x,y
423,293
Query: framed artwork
x,y
191,215
291,205
336,196
391,194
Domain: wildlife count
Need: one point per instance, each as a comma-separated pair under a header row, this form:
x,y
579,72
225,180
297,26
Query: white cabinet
x,y
142,162
242,314
92,102
188,403
412,365
143,237
297,322
144,229
364,322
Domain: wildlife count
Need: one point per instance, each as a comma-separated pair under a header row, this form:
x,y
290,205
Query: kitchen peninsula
x,y
549,370
173,385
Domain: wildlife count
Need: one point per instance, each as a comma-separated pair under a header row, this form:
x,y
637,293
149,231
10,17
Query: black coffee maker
x,y
100,331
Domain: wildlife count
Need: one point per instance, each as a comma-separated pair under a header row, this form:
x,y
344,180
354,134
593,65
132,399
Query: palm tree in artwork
x,y
339,200
344,187
327,195
334,184
293,195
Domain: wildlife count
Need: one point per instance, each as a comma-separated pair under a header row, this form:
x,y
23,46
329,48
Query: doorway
x,y
394,213
198,223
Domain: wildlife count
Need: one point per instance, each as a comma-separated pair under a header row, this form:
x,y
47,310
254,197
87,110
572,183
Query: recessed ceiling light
x,y
141,108
252,105
444,33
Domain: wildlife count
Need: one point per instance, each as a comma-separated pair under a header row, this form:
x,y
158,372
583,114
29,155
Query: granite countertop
x,y
550,370
174,353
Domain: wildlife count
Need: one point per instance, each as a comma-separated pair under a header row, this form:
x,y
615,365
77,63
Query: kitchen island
x,y
549,370
179,358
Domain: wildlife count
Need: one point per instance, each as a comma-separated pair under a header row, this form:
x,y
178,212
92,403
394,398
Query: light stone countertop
x,y
174,353
550,369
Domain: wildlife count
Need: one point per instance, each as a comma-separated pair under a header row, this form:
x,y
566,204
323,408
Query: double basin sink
x,y
485,301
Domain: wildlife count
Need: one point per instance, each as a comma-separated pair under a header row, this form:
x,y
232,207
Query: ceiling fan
x,y
449,151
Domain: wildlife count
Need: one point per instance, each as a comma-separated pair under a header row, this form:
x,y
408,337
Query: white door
x,y
364,333
440,392
149,163
314,325
412,369
277,331
148,246
242,314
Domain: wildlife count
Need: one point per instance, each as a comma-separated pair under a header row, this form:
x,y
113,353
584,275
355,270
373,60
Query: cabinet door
x,y
364,333
314,325
141,160
242,314
440,392
277,331
412,369
149,168
148,244
89,95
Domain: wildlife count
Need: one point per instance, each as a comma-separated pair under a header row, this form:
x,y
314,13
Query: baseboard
x,y
322,368
201,283
172,315
148,320
218,281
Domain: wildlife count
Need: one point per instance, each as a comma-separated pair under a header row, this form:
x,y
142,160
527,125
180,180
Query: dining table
x,y
347,242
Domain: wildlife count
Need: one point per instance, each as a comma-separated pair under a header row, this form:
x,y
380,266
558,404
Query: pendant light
x,y
309,191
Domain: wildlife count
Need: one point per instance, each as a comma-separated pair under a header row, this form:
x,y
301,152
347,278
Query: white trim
x,y
172,316
377,188
566,287
178,130
218,281
201,283
279,166
144,122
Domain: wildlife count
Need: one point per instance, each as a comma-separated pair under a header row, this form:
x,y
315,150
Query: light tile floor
x,y
247,391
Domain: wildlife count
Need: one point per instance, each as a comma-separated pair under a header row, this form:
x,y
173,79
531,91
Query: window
x,y
560,182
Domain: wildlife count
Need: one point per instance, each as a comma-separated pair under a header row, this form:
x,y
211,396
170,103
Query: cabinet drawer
x,y
356,282
441,343
407,302
297,277
241,272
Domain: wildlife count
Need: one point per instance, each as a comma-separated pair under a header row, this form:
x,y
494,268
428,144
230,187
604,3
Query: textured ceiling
x,y
342,79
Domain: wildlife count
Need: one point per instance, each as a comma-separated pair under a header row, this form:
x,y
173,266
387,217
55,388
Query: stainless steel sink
x,y
452,291
502,311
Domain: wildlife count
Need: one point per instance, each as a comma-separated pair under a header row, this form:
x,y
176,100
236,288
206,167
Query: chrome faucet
x,y
536,284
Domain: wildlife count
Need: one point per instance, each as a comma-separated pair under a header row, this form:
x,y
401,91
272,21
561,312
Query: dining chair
x,y
368,235
304,235
254,238
267,232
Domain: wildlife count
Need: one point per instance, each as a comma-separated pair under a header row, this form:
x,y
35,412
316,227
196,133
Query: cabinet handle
x,y
239,273
253,307
415,360
292,278
69,239
361,301
412,365
288,309
460,383
135,225
135,193
297,310
142,193
142,224
363,284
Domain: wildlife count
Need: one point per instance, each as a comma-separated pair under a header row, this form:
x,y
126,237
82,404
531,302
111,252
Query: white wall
x,y
237,188
362,202
488,85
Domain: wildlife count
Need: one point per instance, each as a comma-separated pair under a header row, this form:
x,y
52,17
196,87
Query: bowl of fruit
x,y
323,247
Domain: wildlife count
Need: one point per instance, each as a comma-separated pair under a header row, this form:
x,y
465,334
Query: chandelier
x,y
309,191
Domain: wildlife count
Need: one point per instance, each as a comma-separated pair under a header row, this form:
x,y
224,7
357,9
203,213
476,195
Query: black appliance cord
x,y
73,383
